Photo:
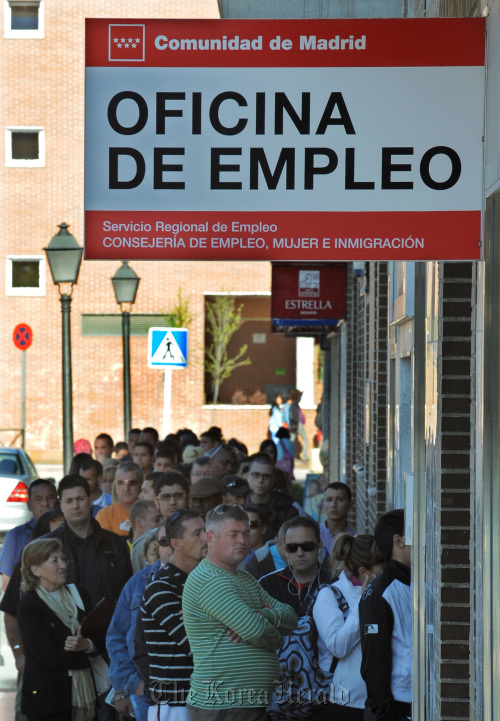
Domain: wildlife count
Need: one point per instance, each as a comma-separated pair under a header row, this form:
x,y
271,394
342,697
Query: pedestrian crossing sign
x,y
167,347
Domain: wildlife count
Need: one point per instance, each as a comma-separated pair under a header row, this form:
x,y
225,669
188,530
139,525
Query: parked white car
x,y
16,474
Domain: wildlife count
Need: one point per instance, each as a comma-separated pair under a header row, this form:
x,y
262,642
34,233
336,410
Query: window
x,y
402,291
273,363
25,275
23,18
25,147
111,323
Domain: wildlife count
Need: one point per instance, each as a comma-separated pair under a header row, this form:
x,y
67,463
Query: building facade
x,y
42,67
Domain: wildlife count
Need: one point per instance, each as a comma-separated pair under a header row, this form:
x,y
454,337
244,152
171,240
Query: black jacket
x,y
46,684
281,586
111,564
386,642
282,508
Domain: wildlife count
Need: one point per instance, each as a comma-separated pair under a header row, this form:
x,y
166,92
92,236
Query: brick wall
x,y
366,395
450,530
42,84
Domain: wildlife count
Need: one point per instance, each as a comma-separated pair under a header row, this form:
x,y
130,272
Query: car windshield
x,y
10,465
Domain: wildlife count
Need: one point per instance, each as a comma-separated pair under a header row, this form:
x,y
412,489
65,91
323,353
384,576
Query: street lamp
x,y
64,257
125,283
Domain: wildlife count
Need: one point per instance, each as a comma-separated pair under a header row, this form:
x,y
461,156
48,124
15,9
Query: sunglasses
x,y
165,497
224,507
254,524
127,483
306,546
163,542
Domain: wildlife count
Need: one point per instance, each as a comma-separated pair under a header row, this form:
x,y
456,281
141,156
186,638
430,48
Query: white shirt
x,y
341,640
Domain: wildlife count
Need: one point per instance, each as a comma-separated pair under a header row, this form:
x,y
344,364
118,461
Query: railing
x,y
18,433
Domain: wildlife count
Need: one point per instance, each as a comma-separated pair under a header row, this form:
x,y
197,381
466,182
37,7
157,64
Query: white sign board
x,y
284,140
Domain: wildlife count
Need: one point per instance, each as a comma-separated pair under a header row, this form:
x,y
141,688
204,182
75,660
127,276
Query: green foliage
x,y
223,319
180,316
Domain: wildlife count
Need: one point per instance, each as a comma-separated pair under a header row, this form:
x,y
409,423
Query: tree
x,y
181,316
223,319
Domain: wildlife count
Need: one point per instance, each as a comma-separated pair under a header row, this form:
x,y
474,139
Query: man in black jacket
x,y
385,620
98,560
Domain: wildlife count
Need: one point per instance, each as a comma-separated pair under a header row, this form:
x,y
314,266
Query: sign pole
x,y
23,338
167,349
23,403
167,399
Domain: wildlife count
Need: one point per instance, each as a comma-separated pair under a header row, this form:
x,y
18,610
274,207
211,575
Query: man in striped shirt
x,y
170,661
233,625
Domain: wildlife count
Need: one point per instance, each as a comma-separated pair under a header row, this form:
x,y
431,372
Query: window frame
x,y
23,34
10,290
11,162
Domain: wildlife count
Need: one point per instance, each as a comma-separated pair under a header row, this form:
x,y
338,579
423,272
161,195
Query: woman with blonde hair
x,y
357,561
58,684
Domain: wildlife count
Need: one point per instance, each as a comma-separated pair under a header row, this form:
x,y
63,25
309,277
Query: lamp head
x,y
64,257
125,284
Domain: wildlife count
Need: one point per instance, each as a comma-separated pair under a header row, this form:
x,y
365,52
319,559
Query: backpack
x,y
285,463
303,686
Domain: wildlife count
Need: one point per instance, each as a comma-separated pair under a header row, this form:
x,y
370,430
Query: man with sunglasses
x,y
297,583
127,486
234,627
169,660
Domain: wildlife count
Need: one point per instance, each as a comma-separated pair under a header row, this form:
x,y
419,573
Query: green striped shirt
x,y
232,674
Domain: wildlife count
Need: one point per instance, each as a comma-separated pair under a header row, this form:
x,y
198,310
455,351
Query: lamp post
x,y
125,284
64,257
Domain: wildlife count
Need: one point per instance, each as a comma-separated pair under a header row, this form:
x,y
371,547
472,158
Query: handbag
x,y
100,671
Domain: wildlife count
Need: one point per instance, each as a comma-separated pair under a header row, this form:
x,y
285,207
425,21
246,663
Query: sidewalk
x,y
50,470
8,679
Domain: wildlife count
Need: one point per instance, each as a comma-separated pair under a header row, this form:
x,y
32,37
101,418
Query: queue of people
x,y
168,596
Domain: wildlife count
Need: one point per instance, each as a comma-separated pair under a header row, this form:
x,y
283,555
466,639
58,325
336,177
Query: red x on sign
x,y
23,336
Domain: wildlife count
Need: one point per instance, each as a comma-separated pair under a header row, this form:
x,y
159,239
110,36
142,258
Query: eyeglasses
x,y
306,546
254,524
224,507
169,496
132,482
264,476
163,542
